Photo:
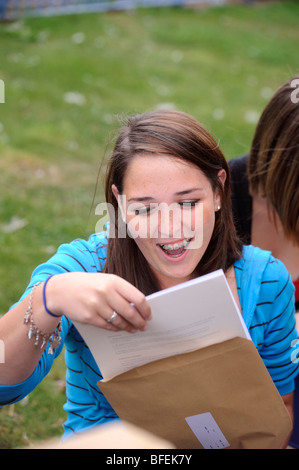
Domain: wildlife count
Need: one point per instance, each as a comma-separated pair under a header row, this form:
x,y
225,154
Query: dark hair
x,y
179,135
273,165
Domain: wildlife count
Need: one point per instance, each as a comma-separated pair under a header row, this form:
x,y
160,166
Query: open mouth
x,y
175,249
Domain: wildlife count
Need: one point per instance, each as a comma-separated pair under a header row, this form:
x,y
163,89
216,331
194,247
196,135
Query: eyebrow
x,y
141,199
187,191
179,193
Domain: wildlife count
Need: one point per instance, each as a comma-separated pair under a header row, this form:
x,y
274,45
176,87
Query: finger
x,y
128,316
110,320
119,323
135,297
100,322
100,315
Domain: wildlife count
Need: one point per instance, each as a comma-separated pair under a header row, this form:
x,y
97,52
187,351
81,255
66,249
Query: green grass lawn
x,y
67,79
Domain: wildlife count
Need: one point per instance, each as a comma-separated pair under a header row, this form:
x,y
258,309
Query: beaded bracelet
x,y
53,338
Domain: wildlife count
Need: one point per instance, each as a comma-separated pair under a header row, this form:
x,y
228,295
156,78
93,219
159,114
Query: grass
x,y
67,79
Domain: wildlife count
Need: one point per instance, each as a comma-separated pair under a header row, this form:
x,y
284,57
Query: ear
x,y
222,179
120,201
222,176
115,191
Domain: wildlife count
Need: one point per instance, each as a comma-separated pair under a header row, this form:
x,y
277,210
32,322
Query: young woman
x,y
265,183
165,163
265,190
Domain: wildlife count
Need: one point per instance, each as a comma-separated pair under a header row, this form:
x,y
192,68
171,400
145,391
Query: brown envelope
x,y
226,383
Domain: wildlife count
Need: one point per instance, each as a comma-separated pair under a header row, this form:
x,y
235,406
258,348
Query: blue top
x,y
267,300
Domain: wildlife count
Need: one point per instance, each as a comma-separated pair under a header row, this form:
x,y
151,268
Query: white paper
x,y
187,317
207,431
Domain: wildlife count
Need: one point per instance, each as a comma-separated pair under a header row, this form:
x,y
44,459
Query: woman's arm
x,y
85,297
288,401
21,356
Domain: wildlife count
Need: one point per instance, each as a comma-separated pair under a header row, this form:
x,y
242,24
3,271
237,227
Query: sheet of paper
x,y
189,316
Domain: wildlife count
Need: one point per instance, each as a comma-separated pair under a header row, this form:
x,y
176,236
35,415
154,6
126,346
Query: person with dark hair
x,y
168,193
265,183
265,191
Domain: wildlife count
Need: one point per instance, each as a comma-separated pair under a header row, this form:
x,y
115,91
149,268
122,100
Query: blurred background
x,y
68,72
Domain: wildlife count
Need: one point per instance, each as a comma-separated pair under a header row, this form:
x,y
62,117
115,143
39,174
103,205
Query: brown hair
x,y
177,134
273,165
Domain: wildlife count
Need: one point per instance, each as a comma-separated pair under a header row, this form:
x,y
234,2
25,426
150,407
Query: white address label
x,y
207,431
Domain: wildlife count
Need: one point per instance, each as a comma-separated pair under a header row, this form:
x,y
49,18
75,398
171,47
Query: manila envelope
x,y
220,396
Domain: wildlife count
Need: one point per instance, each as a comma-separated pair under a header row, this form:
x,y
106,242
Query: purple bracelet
x,y
44,299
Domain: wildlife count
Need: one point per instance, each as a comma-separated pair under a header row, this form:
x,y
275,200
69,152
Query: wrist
x,y
49,312
52,296
42,337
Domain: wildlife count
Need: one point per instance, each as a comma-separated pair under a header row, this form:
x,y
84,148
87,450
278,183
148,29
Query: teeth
x,y
176,246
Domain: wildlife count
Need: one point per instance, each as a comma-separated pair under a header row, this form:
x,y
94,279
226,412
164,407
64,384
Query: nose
x,y
170,221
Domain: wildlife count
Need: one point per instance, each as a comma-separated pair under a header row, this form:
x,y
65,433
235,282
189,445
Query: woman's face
x,y
169,207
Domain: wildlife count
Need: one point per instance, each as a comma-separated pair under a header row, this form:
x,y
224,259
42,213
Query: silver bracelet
x,y
53,338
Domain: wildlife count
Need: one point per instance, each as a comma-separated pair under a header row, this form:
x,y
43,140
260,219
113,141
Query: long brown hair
x,y
273,165
177,134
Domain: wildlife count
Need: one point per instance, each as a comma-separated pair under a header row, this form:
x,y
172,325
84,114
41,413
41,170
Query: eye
x,y
188,204
142,211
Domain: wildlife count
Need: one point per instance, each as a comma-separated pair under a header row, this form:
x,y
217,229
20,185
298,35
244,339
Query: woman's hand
x,y
84,297
93,297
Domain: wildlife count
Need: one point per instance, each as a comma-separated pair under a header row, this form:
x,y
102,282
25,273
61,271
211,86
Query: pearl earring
x,y
218,208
